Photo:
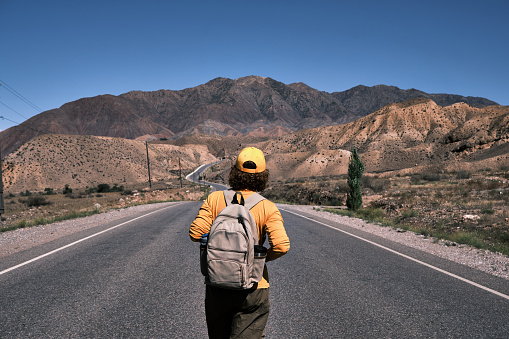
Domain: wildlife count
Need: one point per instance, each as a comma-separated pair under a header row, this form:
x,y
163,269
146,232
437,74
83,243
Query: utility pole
x,y
1,191
148,166
180,174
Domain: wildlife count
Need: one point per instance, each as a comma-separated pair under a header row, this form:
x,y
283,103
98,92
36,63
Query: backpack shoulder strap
x,y
249,203
228,196
253,200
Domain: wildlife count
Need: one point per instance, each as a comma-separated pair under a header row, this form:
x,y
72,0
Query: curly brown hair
x,y
255,182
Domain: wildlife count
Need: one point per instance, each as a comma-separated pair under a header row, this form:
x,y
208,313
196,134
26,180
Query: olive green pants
x,y
236,314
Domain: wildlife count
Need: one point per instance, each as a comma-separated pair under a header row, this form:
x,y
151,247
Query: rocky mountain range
x,y
255,106
417,135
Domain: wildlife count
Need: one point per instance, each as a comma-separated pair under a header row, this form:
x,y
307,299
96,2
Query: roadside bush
x,y
117,188
371,214
377,185
105,188
463,175
487,209
484,185
35,201
431,177
417,178
27,193
49,191
342,186
408,213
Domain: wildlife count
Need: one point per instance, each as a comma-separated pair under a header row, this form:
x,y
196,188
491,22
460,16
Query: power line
x,y
19,96
13,110
27,125
4,118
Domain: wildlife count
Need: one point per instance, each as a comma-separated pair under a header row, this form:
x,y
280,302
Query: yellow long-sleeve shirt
x,y
267,217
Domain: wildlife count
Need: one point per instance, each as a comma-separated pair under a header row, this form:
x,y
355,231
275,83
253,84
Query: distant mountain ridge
x,y
249,105
362,100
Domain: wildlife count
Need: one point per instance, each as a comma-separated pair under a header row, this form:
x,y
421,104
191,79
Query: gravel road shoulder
x,y
12,242
486,261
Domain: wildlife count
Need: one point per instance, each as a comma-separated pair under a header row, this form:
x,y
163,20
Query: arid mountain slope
x,y
250,105
79,161
413,135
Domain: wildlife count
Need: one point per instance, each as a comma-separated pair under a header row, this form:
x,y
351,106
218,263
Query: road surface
x,y
140,278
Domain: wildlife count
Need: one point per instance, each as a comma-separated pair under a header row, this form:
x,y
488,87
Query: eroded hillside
x,y
53,161
413,135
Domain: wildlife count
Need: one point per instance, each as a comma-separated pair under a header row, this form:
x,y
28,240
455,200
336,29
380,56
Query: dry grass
x,y
462,208
20,213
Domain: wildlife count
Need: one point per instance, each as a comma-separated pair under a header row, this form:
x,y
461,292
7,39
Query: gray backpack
x,y
233,259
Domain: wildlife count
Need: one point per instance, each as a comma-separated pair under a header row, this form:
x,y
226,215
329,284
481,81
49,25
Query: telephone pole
x,y
148,166
1,191
180,174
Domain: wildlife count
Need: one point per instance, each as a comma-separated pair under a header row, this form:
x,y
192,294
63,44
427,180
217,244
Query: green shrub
x,y
407,213
431,177
371,214
103,188
463,175
468,238
67,189
36,201
49,191
415,179
487,209
22,223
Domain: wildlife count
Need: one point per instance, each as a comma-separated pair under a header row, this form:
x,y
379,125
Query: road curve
x,y
195,176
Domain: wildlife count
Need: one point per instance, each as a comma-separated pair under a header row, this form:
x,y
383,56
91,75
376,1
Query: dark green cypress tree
x,y
355,170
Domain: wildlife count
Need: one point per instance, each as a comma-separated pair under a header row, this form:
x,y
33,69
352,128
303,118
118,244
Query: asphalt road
x,y
142,280
195,177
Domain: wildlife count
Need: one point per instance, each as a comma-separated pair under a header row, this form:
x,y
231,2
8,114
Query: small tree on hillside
x,y
67,189
355,170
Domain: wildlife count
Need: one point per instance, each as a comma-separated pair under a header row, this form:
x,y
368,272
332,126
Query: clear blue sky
x,y
54,52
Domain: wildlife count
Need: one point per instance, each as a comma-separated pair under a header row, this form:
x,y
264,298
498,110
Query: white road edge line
x,y
406,256
78,241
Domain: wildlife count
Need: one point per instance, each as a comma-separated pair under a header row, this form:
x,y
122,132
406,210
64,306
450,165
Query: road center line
x,y
81,240
405,256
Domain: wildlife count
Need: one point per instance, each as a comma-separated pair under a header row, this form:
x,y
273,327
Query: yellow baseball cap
x,y
251,160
